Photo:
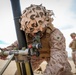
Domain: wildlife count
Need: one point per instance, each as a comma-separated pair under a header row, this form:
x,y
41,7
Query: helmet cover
x,y
34,18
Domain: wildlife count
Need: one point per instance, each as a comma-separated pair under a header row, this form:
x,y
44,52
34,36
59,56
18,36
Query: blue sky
x,y
73,7
65,18
2,42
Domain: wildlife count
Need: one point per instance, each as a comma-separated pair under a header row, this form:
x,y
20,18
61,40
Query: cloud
x,y
66,27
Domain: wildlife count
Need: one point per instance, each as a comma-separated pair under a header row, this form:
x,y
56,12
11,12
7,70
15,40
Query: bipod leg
x,y
19,72
23,65
28,67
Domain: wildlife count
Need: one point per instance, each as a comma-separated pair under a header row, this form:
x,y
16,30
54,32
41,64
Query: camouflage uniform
x,y
36,18
53,51
58,63
72,45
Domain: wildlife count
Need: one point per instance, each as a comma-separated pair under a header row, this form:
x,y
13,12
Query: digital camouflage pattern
x,y
36,18
72,45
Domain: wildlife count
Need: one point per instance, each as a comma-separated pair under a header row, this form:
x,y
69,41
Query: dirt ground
x,y
12,67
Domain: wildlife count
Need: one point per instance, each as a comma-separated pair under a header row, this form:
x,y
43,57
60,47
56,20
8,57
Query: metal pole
x,y
16,14
20,34
15,52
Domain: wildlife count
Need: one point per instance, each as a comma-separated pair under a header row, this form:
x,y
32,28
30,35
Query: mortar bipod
x,y
22,62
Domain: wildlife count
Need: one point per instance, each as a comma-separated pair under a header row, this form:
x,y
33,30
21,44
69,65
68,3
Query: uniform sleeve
x,y
73,45
58,57
70,45
12,46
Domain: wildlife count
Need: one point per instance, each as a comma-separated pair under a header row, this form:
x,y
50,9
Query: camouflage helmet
x,y
34,18
73,34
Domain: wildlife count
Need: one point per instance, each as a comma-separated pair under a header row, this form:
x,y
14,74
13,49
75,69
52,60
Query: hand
x,y
3,57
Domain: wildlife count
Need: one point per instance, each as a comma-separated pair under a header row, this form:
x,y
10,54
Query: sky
x,y
64,19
